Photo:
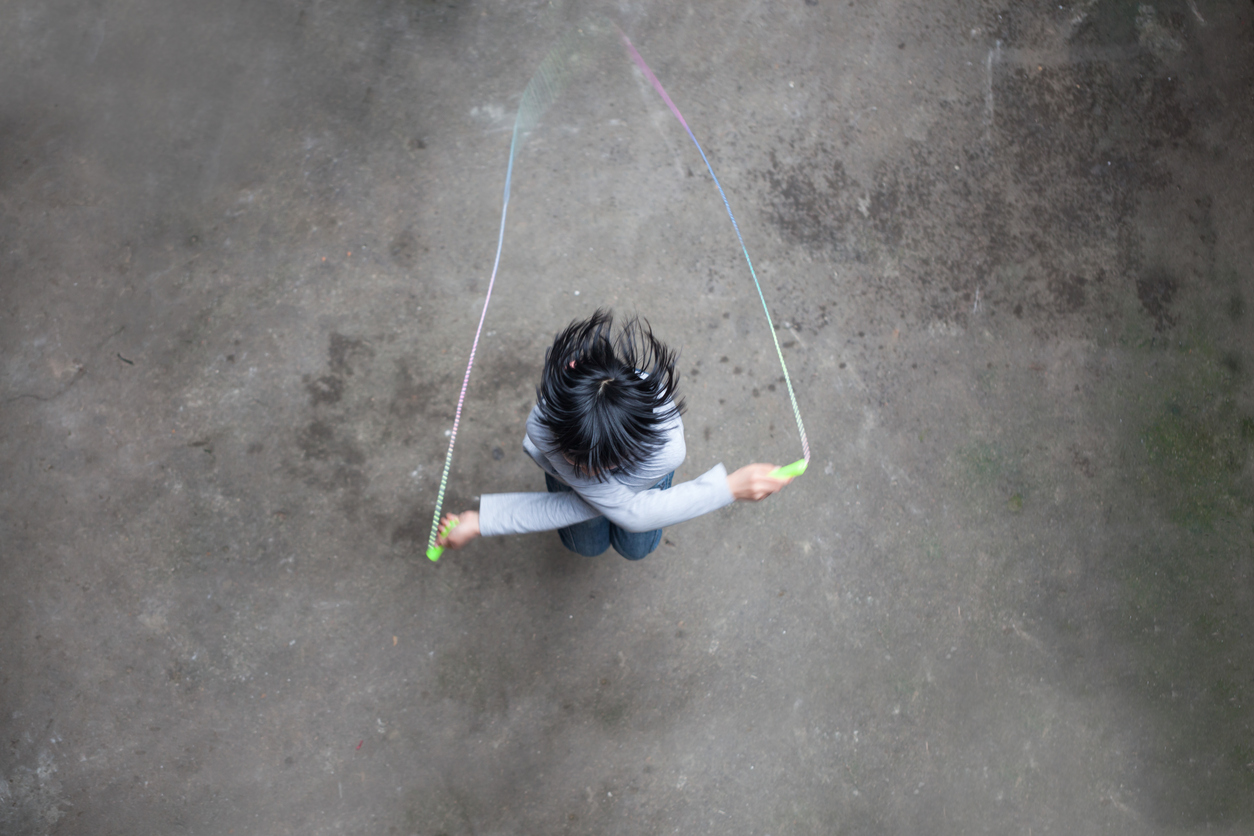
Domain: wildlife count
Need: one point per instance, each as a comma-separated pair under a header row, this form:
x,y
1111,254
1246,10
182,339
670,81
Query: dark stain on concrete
x,y
410,396
1068,293
327,389
811,199
1017,225
415,530
343,351
1155,291
318,442
405,249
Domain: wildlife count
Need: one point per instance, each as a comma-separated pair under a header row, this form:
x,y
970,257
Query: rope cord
x,y
545,86
657,85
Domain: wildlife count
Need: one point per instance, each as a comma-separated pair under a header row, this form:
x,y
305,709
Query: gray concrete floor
x,y
243,248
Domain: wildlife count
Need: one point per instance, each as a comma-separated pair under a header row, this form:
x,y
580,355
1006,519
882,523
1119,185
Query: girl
x,y
607,432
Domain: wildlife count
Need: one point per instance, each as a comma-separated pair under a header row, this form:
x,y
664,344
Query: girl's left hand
x,y
754,482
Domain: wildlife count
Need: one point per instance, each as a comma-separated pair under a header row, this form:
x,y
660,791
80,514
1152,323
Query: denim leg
x,y
589,538
638,545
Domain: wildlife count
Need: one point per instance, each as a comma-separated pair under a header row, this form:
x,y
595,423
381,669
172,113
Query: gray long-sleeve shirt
x,y
623,499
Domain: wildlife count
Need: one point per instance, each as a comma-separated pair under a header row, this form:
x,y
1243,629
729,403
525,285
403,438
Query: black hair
x,y
604,397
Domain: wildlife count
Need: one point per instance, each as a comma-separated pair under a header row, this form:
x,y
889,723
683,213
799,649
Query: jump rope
x,y
545,86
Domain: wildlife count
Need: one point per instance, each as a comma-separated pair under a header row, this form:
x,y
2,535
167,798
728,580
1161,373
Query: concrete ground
x,y
1007,245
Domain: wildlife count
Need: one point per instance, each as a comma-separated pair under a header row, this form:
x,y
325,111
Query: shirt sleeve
x,y
519,513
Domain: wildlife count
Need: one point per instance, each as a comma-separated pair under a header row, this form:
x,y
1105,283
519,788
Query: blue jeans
x,y
593,537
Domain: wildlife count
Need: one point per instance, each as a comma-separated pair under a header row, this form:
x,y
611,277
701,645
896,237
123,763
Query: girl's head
x,y
606,397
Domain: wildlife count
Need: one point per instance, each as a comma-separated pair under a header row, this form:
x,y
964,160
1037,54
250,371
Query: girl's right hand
x,y
456,530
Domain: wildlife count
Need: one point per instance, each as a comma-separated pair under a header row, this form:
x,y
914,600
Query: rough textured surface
x,y
1007,247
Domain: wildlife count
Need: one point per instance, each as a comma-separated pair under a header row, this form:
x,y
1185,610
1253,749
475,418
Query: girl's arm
x,y
520,513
